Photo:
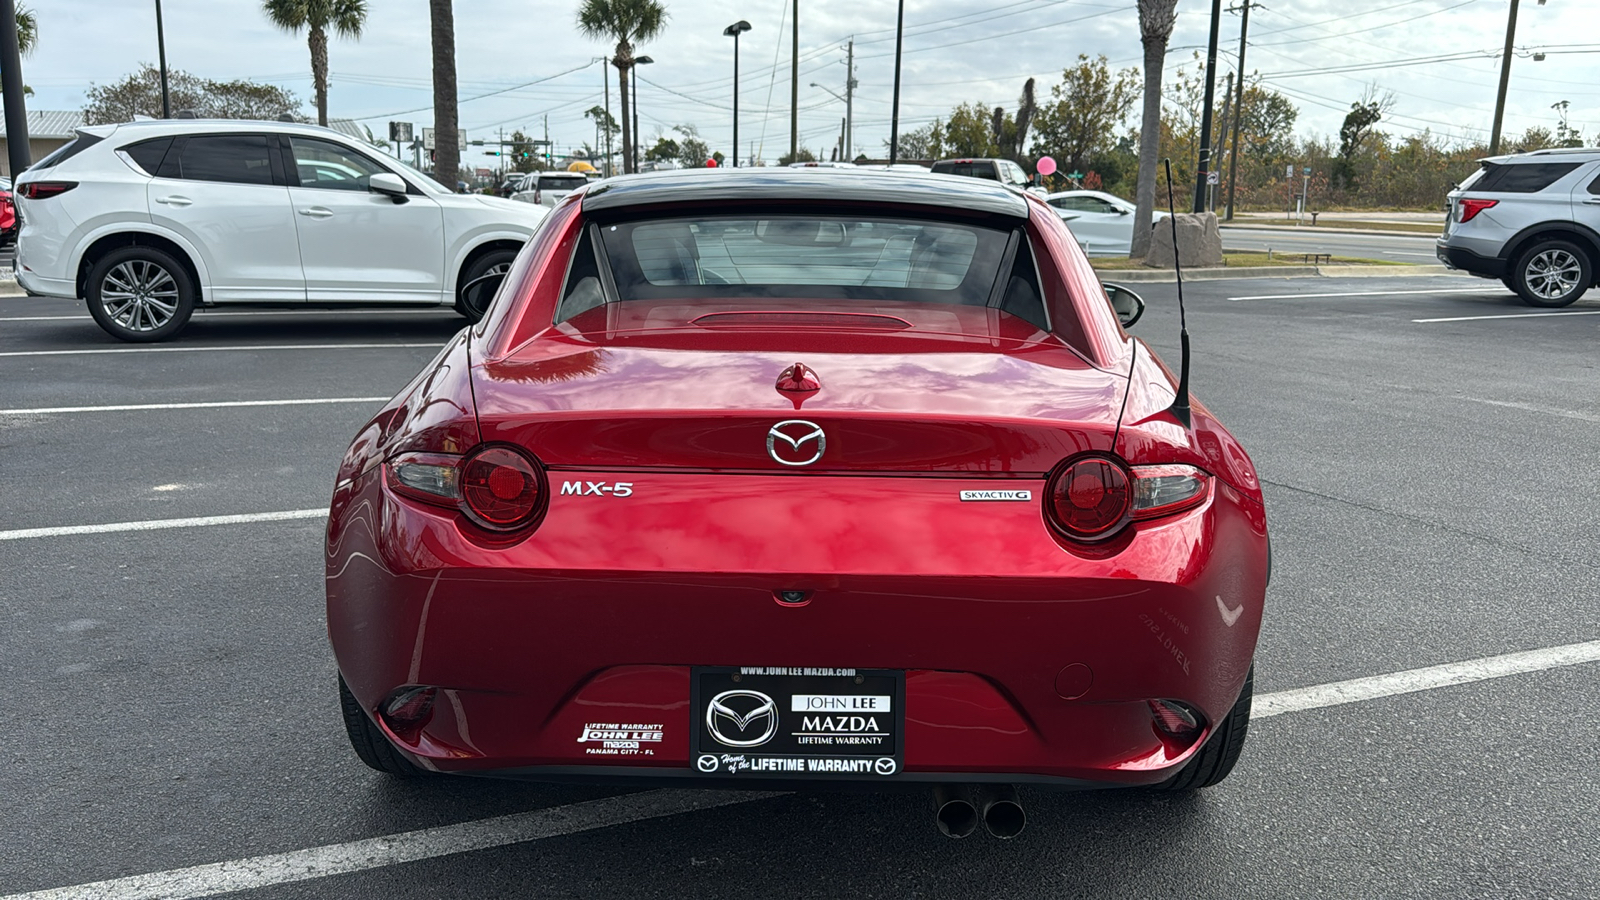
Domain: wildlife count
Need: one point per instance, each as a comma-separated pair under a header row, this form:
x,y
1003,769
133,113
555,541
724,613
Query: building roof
x,y
834,185
49,124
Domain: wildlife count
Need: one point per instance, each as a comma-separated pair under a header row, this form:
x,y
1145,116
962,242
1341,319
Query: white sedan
x,y
1102,223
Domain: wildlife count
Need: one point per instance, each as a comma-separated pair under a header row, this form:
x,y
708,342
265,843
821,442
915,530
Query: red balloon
x,y
711,164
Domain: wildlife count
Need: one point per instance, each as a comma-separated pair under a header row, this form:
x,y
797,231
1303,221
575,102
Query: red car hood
x,y
903,388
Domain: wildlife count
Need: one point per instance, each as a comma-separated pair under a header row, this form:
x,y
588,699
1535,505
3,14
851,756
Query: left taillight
x,y
1092,498
498,488
43,190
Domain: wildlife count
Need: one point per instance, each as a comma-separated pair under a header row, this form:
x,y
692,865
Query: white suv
x,y
148,220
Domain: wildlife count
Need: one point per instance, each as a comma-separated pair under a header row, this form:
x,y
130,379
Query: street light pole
x,y
894,114
161,51
1205,117
733,31
794,85
850,102
641,61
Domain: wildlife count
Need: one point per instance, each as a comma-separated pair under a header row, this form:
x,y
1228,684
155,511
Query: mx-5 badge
x,y
795,434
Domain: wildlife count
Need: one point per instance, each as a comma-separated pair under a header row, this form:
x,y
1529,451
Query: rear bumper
x,y
1468,261
601,613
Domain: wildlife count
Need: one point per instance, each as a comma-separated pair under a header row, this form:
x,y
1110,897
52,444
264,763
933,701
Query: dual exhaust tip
x,y
959,808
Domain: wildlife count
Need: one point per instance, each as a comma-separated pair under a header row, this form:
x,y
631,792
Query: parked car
x,y
146,221
512,183
547,188
762,475
1002,170
1102,223
8,214
1531,220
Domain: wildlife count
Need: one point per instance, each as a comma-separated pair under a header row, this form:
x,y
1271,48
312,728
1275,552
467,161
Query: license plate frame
x,y
824,723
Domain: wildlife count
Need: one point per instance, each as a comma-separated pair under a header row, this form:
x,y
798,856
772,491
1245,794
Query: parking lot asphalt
x,y
1428,447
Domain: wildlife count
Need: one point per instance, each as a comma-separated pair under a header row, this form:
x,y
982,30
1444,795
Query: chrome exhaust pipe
x,y
954,810
1001,810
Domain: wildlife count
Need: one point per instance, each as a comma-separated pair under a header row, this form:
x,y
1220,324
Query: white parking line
x,y
220,404
1581,312
1534,408
99,350
485,834
19,534
1483,290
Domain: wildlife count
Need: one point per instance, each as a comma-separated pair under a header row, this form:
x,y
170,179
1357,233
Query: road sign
x,y
1213,178
400,131
427,139
1075,176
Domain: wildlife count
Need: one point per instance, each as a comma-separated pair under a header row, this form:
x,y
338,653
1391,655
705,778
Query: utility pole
x,y
607,123
894,114
850,102
1238,106
1505,79
794,85
11,85
1205,118
161,51
548,156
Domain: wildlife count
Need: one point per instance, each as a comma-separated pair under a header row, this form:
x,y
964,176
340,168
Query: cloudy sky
x,y
522,60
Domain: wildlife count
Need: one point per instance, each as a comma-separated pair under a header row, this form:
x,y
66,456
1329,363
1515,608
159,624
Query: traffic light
x,y
491,153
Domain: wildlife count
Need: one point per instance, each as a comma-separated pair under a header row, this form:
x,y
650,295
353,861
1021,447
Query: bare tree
x,y
1156,18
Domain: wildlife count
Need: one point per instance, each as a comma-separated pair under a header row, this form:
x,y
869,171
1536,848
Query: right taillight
x,y
1467,209
43,190
1092,498
497,487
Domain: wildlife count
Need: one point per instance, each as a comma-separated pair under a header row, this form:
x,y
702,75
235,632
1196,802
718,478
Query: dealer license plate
x,y
765,721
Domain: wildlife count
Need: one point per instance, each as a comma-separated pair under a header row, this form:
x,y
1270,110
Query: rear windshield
x,y
805,256
1523,178
561,182
983,169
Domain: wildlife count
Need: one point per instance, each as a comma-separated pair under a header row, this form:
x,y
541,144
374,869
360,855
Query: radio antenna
x,y
1180,404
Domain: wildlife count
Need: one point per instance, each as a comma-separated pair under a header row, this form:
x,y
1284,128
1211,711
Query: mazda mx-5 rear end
x,y
798,477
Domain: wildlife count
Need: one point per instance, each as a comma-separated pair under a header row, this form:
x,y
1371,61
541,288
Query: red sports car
x,y
768,476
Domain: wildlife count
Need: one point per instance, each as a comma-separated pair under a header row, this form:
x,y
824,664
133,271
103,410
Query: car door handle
x,y
174,200
1592,201
316,212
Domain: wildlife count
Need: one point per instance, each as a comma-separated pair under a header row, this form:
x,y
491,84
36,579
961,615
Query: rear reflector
x,y
408,710
42,190
1174,718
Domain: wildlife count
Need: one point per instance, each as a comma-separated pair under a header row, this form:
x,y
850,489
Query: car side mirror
x,y
1125,303
1122,212
388,183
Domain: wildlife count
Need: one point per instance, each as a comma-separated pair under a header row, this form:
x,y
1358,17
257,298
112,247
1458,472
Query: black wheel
x,y
1552,273
1216,759
474,291
369,741
140,294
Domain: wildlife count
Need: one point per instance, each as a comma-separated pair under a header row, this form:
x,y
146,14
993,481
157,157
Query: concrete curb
x,y
1152,276
1323,229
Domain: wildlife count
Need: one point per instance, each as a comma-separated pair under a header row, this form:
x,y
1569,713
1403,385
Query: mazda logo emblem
x,y
742,718
795,434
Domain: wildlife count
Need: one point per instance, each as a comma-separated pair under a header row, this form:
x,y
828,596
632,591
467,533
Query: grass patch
x,y
1353,224
1242,260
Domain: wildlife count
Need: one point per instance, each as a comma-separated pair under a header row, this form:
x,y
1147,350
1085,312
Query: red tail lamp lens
x,y
408,710
502,489
1470,208
42,190
1090,499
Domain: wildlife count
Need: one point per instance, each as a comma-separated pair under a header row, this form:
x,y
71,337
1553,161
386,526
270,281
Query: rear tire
x,y
140,294
1217,758
369,741
473,301
1552,274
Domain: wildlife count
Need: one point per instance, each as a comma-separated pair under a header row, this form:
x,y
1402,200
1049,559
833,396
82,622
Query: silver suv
x,y
1531,220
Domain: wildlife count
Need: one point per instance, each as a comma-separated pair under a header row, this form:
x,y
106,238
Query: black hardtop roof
x,y
844,186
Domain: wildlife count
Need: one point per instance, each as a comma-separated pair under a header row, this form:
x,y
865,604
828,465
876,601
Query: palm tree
x,y
27,30
1156,18
345,17
446,141
628,22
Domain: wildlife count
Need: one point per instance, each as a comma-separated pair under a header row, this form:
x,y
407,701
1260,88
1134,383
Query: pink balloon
x,y
1046,166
